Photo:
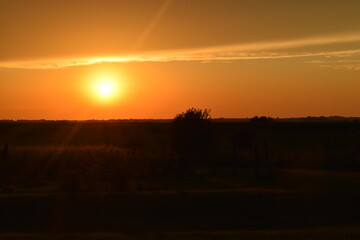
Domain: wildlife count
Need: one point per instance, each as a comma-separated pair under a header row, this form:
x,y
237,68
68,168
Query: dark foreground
x,y
288,204
148,180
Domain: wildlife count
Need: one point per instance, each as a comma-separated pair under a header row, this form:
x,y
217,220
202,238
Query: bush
x,y
192,137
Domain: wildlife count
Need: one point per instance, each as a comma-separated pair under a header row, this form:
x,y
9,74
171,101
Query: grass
x,y
121,181
308,203
343,233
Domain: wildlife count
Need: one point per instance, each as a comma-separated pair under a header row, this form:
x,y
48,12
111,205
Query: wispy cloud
x,y
330,46
347,64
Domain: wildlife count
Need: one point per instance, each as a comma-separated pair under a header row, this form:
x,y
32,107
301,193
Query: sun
x,y
106,89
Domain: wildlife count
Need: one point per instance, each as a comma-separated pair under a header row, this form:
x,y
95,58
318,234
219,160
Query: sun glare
x,y
105,90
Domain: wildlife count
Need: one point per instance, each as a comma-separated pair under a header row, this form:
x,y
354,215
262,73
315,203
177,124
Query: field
x,y
125,180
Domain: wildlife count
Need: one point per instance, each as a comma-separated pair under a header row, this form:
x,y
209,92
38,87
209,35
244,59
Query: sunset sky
x,y
155,58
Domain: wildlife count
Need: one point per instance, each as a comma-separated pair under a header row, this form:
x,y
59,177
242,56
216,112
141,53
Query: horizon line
x,y
170,119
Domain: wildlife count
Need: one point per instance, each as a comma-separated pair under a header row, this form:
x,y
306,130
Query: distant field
x,y
111,180
291,144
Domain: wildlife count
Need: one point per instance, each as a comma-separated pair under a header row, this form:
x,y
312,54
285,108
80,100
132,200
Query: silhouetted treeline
x,y
119,155
261,119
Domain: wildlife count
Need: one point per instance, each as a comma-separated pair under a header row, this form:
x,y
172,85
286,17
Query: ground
x,y
283,204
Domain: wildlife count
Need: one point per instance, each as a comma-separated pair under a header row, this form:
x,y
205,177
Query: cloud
x,y
330,46
355,67
347,64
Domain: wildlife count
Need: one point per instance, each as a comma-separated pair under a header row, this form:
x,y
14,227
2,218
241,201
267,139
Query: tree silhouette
x,y
261,119
192,137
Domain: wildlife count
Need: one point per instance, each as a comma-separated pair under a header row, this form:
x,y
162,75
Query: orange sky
x,y
238,58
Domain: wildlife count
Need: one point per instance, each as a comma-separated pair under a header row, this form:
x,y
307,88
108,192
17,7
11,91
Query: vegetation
x,y
217,177
192,137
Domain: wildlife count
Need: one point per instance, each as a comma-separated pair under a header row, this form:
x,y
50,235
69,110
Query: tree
x,y
261,119
192,137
